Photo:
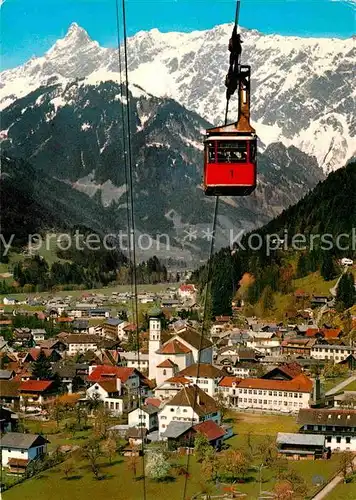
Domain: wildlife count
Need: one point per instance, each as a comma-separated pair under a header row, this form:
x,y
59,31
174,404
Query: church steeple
x,y
154,340
155,325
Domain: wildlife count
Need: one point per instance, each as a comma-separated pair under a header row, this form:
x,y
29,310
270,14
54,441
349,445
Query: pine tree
x,y
41,368
302,266
267,299
328,270
345,294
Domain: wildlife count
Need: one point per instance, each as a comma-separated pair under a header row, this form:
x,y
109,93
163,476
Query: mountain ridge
x,y
302,89
74,134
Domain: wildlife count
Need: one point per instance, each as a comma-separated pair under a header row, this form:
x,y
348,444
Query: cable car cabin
x,y
230,166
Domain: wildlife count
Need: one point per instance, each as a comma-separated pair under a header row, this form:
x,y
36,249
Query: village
x,y
184,391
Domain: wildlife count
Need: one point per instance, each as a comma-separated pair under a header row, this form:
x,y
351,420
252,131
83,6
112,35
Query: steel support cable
x,y
129,148
203,331
208,282
125,158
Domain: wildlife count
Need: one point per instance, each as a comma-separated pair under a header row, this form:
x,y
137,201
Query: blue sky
x,y
30,27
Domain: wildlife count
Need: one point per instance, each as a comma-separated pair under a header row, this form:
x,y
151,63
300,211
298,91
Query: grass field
x,y
314,283
330,383
120,484
105,291
261,425
343,492
350,387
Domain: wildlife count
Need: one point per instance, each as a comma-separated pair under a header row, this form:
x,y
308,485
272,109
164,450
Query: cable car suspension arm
x,y
233,75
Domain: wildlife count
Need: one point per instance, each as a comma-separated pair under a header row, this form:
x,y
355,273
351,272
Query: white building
x,y
110,393
97,330
333,352
228,387
146,416
132,382
82,343
347,262
265,342
205,376
8,301
38,334
338,426
191,404
216,329
24,447
345,399
187,292
170,387
114,328
184,348
154,343
130,359
165,370
286,396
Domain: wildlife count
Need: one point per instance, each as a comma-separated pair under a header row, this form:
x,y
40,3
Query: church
x,y
184,348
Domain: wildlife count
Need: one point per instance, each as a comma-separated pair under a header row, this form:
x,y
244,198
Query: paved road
x,y
341,385
330,486
333,292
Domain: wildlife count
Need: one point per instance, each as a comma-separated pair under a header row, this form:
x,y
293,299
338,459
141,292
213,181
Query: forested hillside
x,y
320,217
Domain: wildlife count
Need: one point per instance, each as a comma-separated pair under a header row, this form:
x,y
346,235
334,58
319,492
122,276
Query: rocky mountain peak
x,y
76,39
303,90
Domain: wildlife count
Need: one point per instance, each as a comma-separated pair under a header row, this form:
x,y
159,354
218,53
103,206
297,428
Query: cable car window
x,y
211,152
232,151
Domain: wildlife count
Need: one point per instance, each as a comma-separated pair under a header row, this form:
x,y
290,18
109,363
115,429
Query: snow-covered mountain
x,y
303,89
73,133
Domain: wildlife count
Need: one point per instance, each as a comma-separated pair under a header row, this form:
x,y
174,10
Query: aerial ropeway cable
x,y
130,207
229,168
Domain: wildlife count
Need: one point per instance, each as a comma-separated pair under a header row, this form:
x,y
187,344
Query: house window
x,y
348,440
164,372
328,439
338,439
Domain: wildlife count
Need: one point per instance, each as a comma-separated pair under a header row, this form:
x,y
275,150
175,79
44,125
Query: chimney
x,y
118,385
316,400
316,390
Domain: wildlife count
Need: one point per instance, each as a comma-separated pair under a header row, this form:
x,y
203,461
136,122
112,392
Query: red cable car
x,y
230,163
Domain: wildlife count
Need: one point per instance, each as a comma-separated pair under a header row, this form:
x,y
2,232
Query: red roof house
x,y
35,393
211,430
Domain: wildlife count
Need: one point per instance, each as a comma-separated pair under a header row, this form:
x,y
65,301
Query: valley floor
x,y
119,482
